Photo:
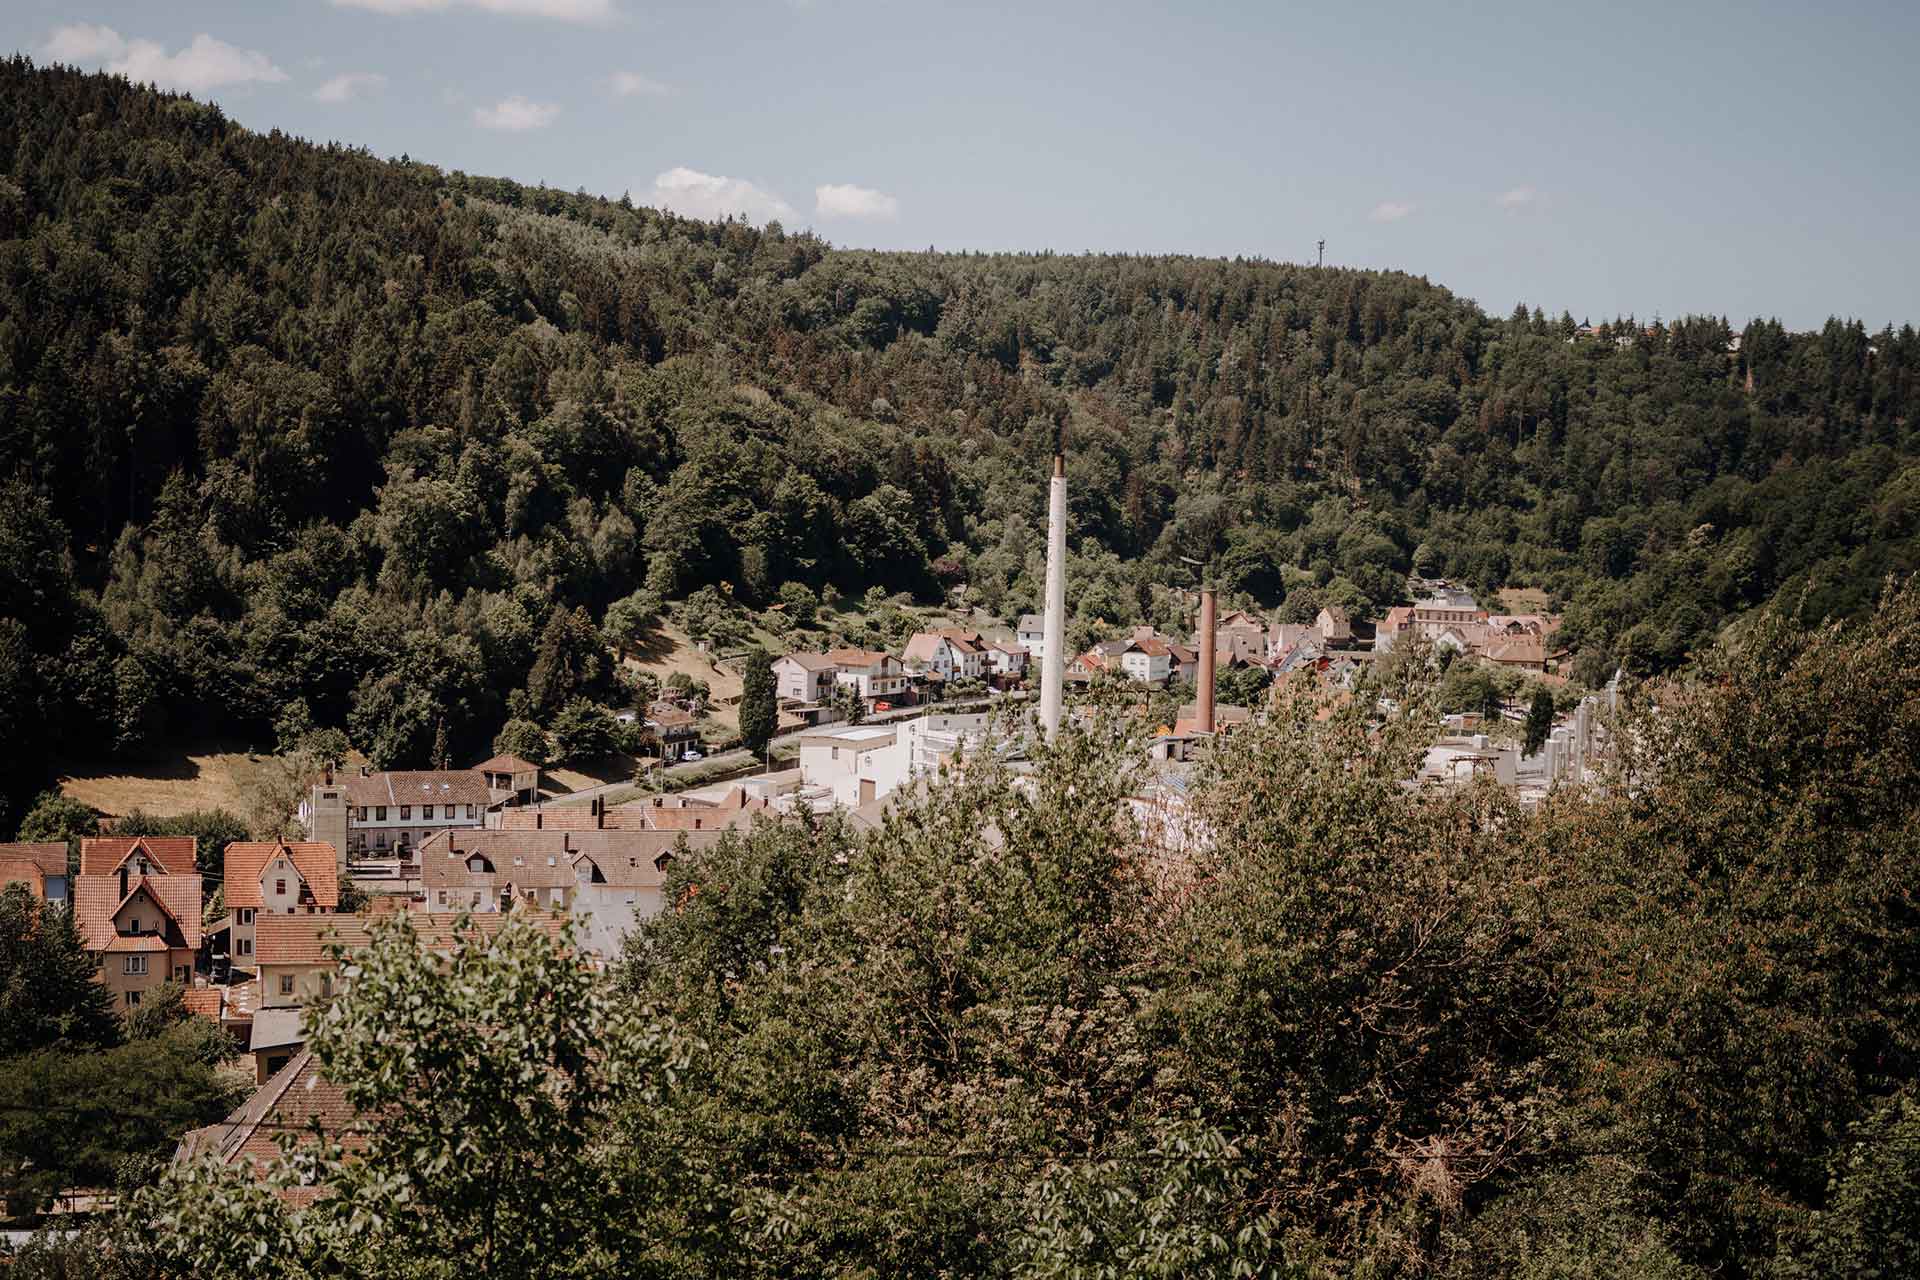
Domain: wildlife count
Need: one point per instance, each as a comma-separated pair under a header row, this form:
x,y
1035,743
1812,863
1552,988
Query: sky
x,y
1749,159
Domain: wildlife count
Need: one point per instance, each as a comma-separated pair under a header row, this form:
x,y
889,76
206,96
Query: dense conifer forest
x,y
287,423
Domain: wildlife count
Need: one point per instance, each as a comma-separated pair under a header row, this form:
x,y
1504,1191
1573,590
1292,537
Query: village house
x,y
803,677
40,866
1104,656
518,780
608,880
1147,660
1006,660
931,653
1238,637
970,653
674,728
275,878
653,813
869,674
296,967
853,767
1030,633
856,764
296,1099
1334,626
390,812
137,907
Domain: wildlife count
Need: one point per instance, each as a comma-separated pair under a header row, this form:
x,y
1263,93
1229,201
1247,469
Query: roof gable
x,y
247,862
103,855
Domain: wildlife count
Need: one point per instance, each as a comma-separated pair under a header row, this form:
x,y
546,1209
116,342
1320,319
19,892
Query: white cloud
x,y
558,10
1522,197
351,85
203,65
704,195
516,114
83,43
1391,210
843,200
628,84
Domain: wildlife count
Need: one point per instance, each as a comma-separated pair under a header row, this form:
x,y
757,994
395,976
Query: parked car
x,y
883,705
692,754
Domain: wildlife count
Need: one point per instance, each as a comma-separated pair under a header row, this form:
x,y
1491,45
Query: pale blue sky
x,y
1743,159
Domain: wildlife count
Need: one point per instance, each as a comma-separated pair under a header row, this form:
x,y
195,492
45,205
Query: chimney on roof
x,y
1054,632
539,820
1203,698
566,842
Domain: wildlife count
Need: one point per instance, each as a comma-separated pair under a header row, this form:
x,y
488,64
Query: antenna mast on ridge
x,y
1323,255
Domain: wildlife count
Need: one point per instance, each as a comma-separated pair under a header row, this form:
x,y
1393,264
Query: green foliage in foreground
x,y
1317,1025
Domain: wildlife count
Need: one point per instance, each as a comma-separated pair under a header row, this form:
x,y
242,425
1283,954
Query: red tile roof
x,y
97,899
507,764
246,865
419,786
22,871
205,1001
303,940
48,855
102,855
856,657
297,1098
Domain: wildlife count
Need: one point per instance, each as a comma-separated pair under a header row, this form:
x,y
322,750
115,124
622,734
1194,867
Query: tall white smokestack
x,y
1053,669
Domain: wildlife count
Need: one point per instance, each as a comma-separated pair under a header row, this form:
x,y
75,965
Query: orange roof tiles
x,y
507,764
204,1001
303,940
20,870
247,861
48,855
97,899
419,786
102,855
295,1099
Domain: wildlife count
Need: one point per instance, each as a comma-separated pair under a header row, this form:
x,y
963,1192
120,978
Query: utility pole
x,y
1323,255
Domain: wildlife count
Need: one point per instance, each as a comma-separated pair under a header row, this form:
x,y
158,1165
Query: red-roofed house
x,y
42,867
139,918
296,969
870,674
276,878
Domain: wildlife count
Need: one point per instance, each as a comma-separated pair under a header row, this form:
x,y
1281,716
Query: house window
x,y
133,998
406,812
380,841
426,811
286,984
379,813
246,947
133,924
326,984
136,965
469,811
363,813
443,897
279,888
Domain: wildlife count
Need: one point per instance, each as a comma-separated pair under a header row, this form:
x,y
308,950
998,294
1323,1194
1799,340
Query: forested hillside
x,y
286,422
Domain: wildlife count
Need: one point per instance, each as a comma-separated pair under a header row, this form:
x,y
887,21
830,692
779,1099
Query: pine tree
x,y
1539,721
48,995
759,715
